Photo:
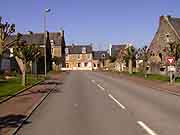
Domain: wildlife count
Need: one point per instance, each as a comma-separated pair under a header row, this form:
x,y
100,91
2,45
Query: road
x,y
93,103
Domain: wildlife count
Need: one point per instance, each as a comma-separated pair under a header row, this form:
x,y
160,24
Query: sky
x,y
99,22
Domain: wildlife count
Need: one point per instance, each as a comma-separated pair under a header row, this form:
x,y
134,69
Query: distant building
x,y
167,32
100,59
120,64
114,49
55,46
78,57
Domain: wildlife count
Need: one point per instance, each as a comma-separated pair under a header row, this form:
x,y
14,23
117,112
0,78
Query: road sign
x,y
170,60
171,68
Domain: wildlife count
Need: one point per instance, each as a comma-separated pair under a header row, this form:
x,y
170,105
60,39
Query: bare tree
x,y
6,30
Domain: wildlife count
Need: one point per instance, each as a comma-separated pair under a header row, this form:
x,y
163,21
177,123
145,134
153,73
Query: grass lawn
x,y
12,86
152,76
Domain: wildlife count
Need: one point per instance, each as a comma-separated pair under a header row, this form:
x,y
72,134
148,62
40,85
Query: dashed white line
x,y
100,87
122,106
93,81
145,127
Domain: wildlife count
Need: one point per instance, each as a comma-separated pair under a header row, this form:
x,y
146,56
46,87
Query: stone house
x,y
100,59
78,57
167,32
55,46
114,49
120,64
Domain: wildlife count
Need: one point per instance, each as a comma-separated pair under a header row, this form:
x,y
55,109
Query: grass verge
x,y
12,86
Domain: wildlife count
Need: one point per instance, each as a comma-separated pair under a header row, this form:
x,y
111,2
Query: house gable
x,y
165,29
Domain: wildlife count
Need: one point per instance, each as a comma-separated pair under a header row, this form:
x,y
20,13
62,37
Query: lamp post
x,y
45,60
31,42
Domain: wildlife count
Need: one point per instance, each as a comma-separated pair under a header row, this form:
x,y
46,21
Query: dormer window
x,y
103,56
84,50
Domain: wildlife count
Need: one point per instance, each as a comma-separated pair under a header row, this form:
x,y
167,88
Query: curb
x,y
30,112
21,91
167,91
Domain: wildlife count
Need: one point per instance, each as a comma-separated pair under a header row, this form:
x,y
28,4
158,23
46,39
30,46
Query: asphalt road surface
x,y
92,103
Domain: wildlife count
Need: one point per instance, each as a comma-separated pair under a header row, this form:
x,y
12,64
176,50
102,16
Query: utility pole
x,y
45,57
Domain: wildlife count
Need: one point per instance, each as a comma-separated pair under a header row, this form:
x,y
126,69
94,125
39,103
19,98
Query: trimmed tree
x,y
129,57
143,54
57,61
26,53
6,30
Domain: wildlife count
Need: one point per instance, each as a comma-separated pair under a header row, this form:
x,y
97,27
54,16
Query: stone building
x,y
100,59
114,49
55,46
120,64
167,32
78,57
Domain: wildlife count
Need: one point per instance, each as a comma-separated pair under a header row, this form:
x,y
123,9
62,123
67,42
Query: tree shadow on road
x,y
12,121
52,82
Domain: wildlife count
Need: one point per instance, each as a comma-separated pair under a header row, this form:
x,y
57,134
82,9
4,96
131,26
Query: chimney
x,y
62,33
169,16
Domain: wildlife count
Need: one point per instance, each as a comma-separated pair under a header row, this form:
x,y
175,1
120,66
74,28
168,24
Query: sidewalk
x,y
16,110
155,84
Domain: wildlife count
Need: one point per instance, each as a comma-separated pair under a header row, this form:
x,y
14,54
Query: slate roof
x,y
175,22
77,49
97,55
116,48
38,38
155,46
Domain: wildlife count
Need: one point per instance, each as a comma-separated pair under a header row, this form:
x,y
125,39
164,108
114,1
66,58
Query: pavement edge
x,y
30,112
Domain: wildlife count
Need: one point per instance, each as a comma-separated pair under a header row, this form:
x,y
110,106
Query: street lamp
x,y
45,60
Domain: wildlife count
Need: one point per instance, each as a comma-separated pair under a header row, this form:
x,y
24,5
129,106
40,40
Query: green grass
x,y
12,86
157,77
151,76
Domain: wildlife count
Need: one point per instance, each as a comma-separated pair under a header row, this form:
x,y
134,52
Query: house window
x,y
67,57
85,64
79,64
162,69
84,50
52,51
94,65
78,57
89,56
67,65
66,50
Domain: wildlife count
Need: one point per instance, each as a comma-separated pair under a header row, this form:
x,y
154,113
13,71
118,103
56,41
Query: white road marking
x,y
145,127
93,81
100,87
122,106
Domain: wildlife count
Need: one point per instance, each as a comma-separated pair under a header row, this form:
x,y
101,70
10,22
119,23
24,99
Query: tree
x,y
6,30
144,54
58,61
26,53
173,49
129,57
